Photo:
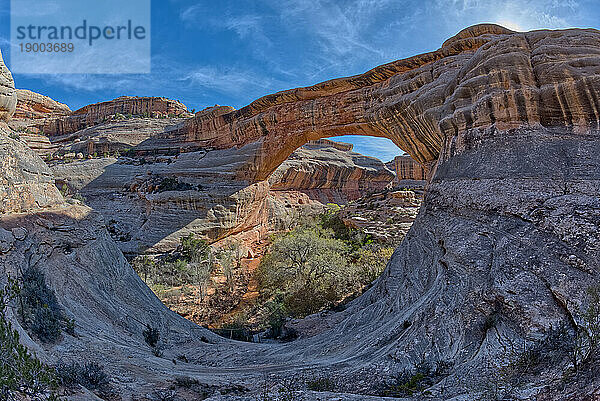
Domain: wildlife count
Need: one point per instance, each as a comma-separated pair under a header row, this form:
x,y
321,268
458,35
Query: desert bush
x,y
172,184
320,384
318,265
90,375
20,372
194,249
144,266
416,380
227,261
308,266
39,308
186,381
15,136
370,261
276,315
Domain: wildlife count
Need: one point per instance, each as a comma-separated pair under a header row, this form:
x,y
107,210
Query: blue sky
x,y
232,52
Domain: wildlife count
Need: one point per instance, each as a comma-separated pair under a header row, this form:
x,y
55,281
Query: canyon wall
x,y
499,259
150,204
93,114
407,169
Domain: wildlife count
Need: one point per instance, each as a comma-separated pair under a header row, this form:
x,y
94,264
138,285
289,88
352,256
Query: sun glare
x,y
511,25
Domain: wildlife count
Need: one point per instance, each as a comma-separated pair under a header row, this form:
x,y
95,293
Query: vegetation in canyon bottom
x,y
320,264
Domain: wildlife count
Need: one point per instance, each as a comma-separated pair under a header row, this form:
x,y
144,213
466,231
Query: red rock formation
x,y
485,75
406,168
33,106
126,105
329,171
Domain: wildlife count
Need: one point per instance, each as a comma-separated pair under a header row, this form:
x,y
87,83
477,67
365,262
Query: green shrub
x,y
194,249
20,372
15,136
186,381
321,384
151,335
309,266
172,184
39,308
90,375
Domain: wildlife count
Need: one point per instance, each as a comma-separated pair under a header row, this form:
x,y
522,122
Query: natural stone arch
x,y
501,253
485,75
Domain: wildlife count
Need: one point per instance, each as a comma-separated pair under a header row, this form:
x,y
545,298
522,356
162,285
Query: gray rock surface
x,y
26,182
8,95
210,201
501,253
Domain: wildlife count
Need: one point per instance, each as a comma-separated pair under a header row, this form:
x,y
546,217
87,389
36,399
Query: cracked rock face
x,y
26,182
501,253
8,95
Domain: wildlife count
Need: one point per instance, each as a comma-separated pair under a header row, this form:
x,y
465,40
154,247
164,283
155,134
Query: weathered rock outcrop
x,y
499,258
8,96
386,215
152,204
32,107
93,114
26,183
330,172
406,168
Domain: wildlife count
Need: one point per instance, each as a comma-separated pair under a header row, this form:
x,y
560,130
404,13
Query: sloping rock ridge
x,y
100,112
499,258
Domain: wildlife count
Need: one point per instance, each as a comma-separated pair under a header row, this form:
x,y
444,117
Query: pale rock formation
x,y
386,216
93,114
330,172
8,96
206,197
26,183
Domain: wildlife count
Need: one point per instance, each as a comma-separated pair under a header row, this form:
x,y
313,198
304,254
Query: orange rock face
x,y
485,75
407,169
126,105
33,106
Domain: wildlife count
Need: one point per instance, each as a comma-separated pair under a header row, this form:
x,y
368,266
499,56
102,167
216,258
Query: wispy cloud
x,y
527,15
230,81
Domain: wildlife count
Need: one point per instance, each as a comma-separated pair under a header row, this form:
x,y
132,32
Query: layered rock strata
x,y
8,95
125,106
407,169
151,204
499,258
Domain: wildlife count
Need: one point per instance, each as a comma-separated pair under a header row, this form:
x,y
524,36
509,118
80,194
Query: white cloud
x,y
230,81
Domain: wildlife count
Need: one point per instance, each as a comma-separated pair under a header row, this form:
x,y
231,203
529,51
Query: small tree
x,y
194,249
20,372
202,273
309,266
227,262
144,267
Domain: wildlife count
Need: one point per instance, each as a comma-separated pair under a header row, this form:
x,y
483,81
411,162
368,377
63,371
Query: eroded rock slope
x,y
500,256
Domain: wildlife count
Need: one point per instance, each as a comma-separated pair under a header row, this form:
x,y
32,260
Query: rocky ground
x,y
487,297
387,216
